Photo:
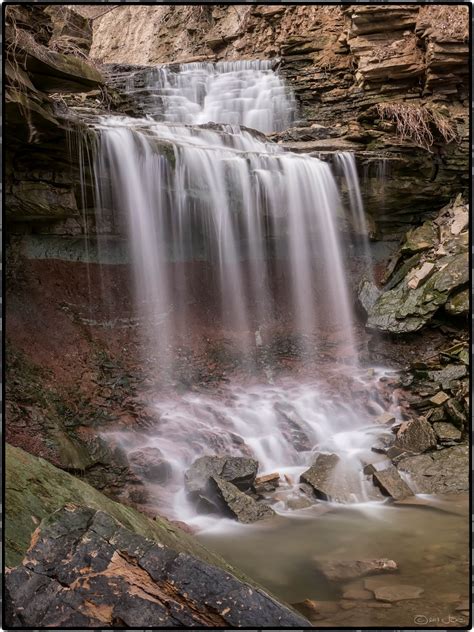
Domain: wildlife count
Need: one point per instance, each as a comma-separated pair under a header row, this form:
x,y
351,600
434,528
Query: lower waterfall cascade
x,y
189,183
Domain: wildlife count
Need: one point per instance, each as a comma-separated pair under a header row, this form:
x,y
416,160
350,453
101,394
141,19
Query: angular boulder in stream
x,y
240,471
416,436
330,482
392,484
243,507
84,569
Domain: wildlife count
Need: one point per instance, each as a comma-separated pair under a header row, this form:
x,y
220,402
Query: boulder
x,y
267,483
345,570
330,482
368,295
385,419
421,238
454,411
392,484
86,570
241,506
419,275
240,471
442,472
148,463
446,432
447,374
397,592
458,304
416,436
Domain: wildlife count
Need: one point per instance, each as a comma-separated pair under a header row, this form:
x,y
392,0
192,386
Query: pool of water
x,y
428,537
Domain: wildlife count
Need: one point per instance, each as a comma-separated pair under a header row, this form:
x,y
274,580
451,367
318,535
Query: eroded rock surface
x,y
85,569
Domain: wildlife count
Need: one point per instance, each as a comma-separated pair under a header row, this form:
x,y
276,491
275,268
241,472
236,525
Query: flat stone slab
x,y
439,399
357,594
398,592
345,570
392,484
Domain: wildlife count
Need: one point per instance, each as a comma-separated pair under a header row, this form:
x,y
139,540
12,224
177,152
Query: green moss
x,y
34,489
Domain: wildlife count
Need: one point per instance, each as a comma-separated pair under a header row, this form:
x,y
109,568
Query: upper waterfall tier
x,y
246,93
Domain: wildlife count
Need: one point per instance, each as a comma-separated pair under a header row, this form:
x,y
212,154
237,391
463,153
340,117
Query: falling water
x,y
231,191
347,163
191,185
245,93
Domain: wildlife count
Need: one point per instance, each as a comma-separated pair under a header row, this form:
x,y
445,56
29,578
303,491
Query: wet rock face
x,y
433,275
85,569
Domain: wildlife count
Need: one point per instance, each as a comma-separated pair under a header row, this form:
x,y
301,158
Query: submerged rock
x,y
397,592
392,484
416,436
243,507
84,569
343,570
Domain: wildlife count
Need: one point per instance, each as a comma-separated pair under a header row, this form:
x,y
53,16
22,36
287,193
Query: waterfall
x,y
233,198
231,236
245,93
347,164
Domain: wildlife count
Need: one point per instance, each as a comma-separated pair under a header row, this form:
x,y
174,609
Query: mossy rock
x,y
421,238
34,489
403,310
458,304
